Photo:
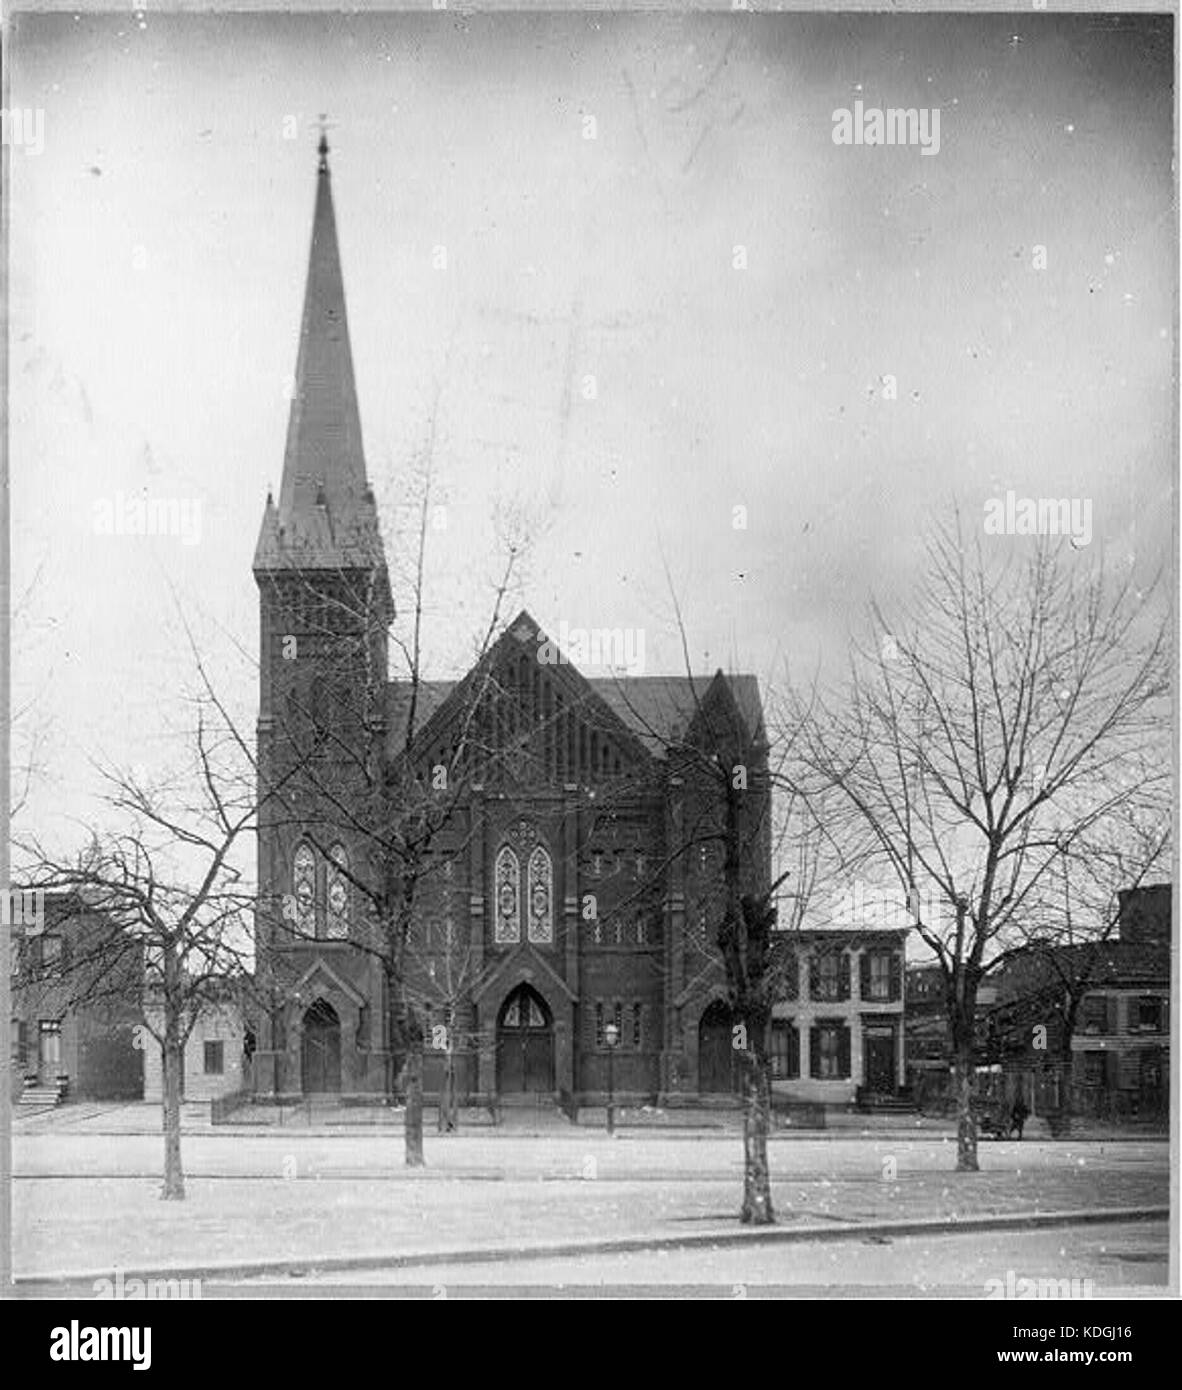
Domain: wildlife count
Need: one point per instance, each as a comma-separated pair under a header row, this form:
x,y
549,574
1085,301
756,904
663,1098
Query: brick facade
x,y
563,888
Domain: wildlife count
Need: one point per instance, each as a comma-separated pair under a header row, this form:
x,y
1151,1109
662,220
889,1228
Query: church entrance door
x,y
716,1053
525,1045
320,1052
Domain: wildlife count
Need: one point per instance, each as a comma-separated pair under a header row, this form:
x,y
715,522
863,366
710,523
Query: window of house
x,y
831,1052
636,1033
1093,1068
877,976
641,932
829,976
785,1050
599,1023
1149,1014
1093,1014
618,1016
215,1058
619,932
641,863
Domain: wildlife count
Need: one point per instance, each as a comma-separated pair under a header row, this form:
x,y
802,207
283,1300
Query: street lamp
x,y
611,1034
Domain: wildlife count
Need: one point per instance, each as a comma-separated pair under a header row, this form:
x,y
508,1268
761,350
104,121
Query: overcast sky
x,y
159,245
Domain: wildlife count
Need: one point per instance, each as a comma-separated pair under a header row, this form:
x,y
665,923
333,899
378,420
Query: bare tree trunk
x,y
448,1108
174,1176
1063,1120
757,1186
966,1124
414,1101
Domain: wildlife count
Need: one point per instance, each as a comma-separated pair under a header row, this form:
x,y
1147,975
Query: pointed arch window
x,y
508,880
541,897
303,885
338,893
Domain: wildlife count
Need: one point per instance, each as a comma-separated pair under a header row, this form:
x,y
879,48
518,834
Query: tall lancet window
x,y
541,897
303,883
338,893
508,879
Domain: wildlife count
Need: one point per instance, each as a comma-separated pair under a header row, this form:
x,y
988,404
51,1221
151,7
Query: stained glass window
x,y
338,894
508,880
304,887
541,897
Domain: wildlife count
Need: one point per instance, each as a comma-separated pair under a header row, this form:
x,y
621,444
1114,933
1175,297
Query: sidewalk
x,y
320,1201
141,1117
721,1237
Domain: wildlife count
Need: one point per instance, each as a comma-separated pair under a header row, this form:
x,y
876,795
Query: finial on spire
x,y
323,146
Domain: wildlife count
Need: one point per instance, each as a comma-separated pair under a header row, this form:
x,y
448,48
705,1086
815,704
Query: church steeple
x,y
326,517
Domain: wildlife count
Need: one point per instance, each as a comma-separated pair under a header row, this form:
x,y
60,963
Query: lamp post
x,y
611,1034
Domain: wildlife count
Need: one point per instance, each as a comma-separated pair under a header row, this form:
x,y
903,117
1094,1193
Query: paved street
x,y
89,1203
1120,1260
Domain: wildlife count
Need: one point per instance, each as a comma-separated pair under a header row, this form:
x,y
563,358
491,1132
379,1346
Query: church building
x,y
562,835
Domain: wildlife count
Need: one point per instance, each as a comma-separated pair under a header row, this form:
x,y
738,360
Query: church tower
x,y
325,609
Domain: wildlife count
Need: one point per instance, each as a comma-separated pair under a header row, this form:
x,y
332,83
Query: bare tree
x,y
1004,718
737,795
1061,944
445,972
167,883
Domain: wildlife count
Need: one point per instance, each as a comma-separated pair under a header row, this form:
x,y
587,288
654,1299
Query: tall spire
x,y
326,517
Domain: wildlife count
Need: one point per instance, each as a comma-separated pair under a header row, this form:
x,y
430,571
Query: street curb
x,y
611,1245
577,1133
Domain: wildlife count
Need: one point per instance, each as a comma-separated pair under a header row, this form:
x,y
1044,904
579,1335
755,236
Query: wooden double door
x,y
320,1051
717,1070
525,1045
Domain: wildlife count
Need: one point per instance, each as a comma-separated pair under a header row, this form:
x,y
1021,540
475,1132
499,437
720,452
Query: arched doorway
x,y
716,1053
525,1044
320,1051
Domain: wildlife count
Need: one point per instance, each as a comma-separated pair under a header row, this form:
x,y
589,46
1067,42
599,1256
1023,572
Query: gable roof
x,y
656,710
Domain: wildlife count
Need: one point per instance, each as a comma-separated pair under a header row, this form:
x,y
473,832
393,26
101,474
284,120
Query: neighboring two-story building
x,y
76,981
1119,992
1120,1040
838,1032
